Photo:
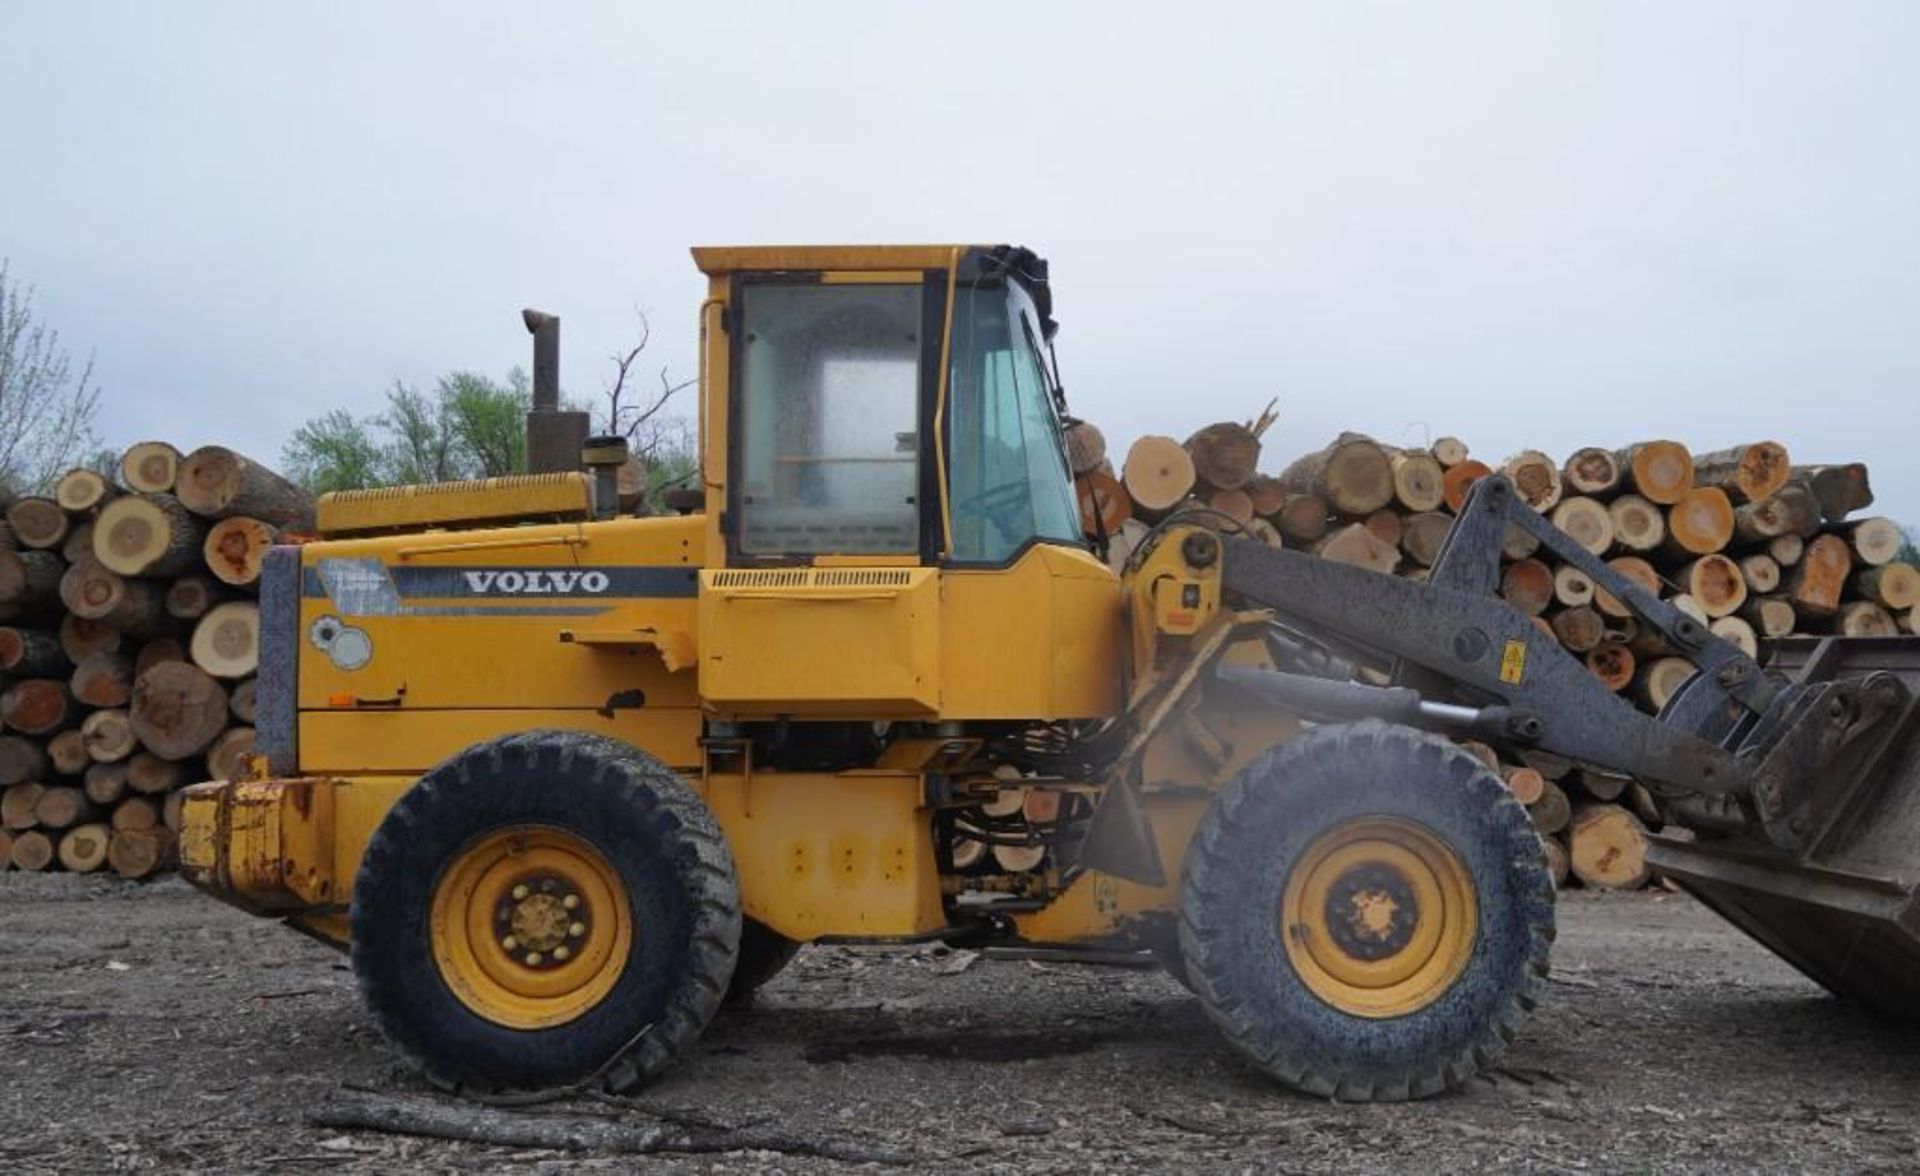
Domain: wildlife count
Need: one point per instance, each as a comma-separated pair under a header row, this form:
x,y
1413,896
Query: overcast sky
x,y
1527,224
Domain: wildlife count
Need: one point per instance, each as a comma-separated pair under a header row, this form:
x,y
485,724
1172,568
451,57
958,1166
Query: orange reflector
x,y
341,700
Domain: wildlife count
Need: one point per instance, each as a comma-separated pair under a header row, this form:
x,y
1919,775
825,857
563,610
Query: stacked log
x,y
129,636
1748,543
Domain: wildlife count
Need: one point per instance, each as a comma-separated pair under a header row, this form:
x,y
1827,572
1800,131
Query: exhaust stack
x,y
554,436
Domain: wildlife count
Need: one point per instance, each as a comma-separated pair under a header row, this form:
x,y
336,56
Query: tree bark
x,y
152,653
240,700
136,813
140,853
1607,846
1158,475
106,784
1874,541
1839,490
1225,454
148,535
1303,520
1659,471
1422,534
1557,864
236,548
227,758
1234,504
1352,476
1747,473
1895,585
1551,812
62,806
79,541
192,597
1592,472
1267,494
1386,525
150,775
1449,451
217,482
30,579
22,759
1103,507
1086,447
1864,618
177,710
1793,511
82,638
1817,582
32,653
37,522
1638,525
1771,616
1588,522
133,606
103,680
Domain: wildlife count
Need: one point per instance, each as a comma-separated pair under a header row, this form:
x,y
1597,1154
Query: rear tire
x,y
1366,913
543,909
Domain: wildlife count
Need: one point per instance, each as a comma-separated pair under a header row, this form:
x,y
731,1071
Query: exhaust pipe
x,y
554,437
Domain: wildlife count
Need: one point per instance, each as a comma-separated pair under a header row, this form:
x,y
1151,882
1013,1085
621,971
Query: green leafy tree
x,y
47,407
469,426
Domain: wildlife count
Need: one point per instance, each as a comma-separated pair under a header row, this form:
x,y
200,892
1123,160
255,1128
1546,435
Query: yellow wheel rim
x,y
530,926
1379,917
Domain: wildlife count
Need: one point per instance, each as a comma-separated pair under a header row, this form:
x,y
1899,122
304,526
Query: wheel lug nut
x,y
570,901
561,952
520,893
510,942
576,930
533,959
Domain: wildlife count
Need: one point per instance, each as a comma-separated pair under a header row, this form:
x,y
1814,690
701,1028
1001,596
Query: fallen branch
x,y
467,1123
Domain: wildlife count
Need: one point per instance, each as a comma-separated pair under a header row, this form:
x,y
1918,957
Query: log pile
x,y
129,636
1742,539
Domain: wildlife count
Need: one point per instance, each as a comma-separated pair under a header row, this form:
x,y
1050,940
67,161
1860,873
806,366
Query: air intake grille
x,y
814,578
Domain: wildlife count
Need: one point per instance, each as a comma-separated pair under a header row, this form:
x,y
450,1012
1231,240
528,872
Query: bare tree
x,y
662,445
46,411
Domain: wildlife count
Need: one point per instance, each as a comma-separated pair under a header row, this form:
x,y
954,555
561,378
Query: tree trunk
x,y
79,541
139,853
106,784
1607,846
1588,522
32,850
177,710
103,679
1158,475
218,483
150,775
30,579
1737,632
1526,784
1635,569
1874,541
1864,618
1354,544
240,701
1592,472
1659,471
1761,573
82,490
1638,525
1817,582
38,706
1580,630
191,597
1613,663
18,802
1419,481
1793,511
68,752
1386,525
63,806
1701,523
1602,786
37,522
132,606
83,848
1527,585
22,759
1894,585
1572,587
107,736
1224,454
1839,490
1771,616
148,535
226,642
1460,478
1103,507
1265,532
1422,534
1267,494
1786,550
1715,581
82,638
227,758
151,467
33,653
1449,451
1556,860
1656,682
1748,473
1551,812
1535,477
1352,476
236,548
1086,447
1303,520
152,653
1234,504
136,813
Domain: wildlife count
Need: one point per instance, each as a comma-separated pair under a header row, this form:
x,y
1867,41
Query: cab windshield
x,y
1007,481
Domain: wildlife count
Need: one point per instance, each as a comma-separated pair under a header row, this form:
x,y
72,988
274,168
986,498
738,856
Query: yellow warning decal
x,y
1513,663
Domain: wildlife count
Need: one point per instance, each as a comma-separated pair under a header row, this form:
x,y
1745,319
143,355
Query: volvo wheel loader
x,y
563,782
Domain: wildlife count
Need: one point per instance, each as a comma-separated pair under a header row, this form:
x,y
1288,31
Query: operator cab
x,y
909,412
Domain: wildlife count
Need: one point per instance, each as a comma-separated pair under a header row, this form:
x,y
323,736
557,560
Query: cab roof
x,y
726,259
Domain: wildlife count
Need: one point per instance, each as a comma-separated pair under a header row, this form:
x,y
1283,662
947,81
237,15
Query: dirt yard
x,y
143,1027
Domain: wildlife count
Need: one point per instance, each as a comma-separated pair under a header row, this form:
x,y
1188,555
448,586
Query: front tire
x,y
1366,913
543,909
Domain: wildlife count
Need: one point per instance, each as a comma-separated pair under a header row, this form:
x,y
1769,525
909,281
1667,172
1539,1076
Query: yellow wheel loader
x,y
561,781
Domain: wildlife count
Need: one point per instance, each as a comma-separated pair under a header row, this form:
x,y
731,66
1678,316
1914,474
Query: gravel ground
x,y
145,1027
